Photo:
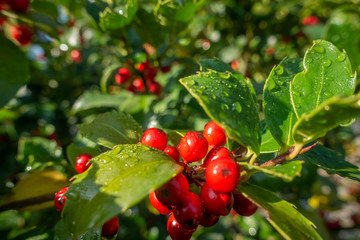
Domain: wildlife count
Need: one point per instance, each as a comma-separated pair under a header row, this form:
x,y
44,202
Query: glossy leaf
x,y
327,73
268,143
325,117
278,110
110,20
62,233
112,128
10,80
227,99
117,180
331,161
287,171
108,72
282,215
214,64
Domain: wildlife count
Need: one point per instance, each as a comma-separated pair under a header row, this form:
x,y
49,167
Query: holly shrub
x,y
179,119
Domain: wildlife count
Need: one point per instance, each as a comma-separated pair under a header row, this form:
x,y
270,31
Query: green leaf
x,y
332,162
176,135
227,99
283,216
278,110
117,180
10,80
214,64
325,117
62,233
107,73
287,171
45,6
119,18
112,128
327,73
268,143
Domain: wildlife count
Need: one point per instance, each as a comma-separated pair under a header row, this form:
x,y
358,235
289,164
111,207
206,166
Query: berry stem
x,y
253,159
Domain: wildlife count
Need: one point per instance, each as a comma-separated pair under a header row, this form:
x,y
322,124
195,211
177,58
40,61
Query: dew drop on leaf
x,y
279,70
341,57
190,82
326,62
319,49
310,60
236,106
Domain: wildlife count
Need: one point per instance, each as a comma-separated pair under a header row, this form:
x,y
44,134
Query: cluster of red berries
x,y
21,33
82,163
217,176
144,80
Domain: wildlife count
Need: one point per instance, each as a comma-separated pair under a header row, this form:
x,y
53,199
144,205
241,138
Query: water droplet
x,y
352,76
279,70
341,57
326,62
213,96
319,48
310,60
190,82
225,75
226,94
224,107
236,106
73,195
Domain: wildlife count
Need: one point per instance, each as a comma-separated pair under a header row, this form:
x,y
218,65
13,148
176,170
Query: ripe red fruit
x,y
270,50
173,192
82,163
215,202
110,228
157,204
176,231
155,88
165,69
137,86
243,206
155,137
150,73
76,55
123,75
21,33
172,152
310,20
143,66
216,153
193,147
3,7
223,174
19,5
190,212
60,199
214,134
209,219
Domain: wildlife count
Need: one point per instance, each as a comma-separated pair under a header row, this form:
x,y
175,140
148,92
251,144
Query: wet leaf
x,y
268,143
118,18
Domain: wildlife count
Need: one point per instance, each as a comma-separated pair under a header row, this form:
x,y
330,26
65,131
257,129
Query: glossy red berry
x,y
155,137
209,219
82,163
215,202
137,86
172,152
243,206
214,134
193,147
174,191
110,228
19,5
310,20
157,204
22,33
216,153
176,231
76,55
143,66
223,174
155,88
190,212
123,75
150,73
60,199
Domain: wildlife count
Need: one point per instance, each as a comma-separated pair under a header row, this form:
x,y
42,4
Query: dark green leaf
x,y
268,143
45,6
214,64
327,73
175,136
227,99
325,117
10,80
283,216
117,180
332,162
110,20
42,22
278,110
112,128
62,233
108,72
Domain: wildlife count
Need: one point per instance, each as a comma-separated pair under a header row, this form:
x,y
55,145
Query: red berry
x,y
155,137
82,163
60,199
19,5
155,88
215,202
243,206
216,153
209,219
176,231
143,66
172,152
110,228
193,147
190,212
270,50
310,20
22,33
157,205
123,75
214,134
76,55
165,69
137,86
150,73
174,191
223,174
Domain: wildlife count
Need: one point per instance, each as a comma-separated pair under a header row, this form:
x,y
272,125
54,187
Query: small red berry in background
x,y
123,75
22,34
76,55
209,219
190,212
60,199
243,206
143,66
310,20
82,163
164,210
174,191
214,134
193,147
223,174
176,231
3,6
165,69
172,152
137,86
19,5
150,73
270,50
215,202
216,153
155,137
110,228
155,88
